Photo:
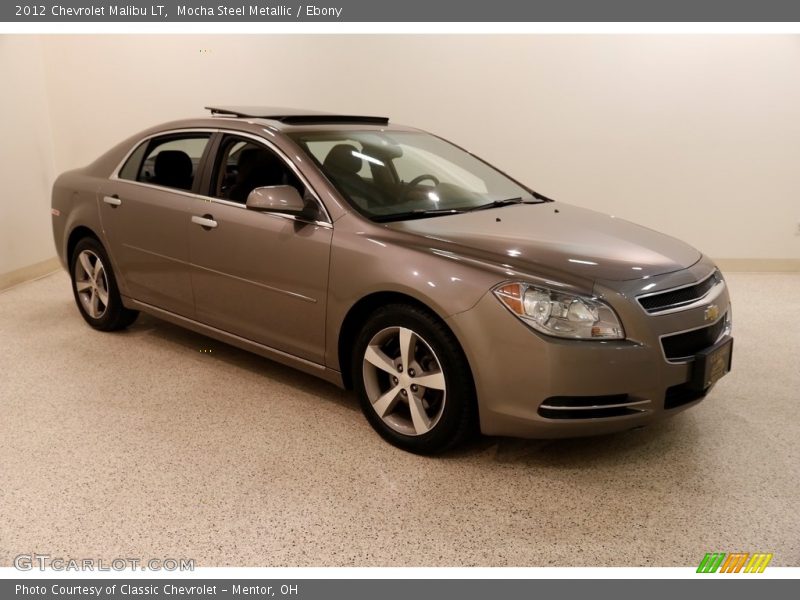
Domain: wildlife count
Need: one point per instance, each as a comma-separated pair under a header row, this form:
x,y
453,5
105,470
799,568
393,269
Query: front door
x,y
261,276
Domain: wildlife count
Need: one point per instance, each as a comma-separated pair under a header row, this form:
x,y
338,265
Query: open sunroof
x,y
293,116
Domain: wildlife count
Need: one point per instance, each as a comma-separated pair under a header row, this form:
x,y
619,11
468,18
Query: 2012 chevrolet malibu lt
x,y
451,297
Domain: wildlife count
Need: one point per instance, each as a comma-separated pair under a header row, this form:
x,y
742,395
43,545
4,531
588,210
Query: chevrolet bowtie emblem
x,y
712,312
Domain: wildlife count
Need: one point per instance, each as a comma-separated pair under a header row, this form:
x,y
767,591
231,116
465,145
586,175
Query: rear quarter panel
x,y
75,200
75,204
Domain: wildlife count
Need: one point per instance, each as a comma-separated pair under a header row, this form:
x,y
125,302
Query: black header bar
x,y
465,11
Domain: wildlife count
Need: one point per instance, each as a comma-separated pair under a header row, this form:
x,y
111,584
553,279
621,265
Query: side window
x,y
171,161
242,165
130,170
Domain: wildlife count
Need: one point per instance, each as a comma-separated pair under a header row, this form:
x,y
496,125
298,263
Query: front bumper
x,y
517,371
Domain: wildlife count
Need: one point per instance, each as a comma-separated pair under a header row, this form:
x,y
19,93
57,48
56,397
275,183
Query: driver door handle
x,y
206,221
112,200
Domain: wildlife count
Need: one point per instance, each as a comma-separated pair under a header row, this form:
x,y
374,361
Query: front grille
x,y
685,345
679,297
590,407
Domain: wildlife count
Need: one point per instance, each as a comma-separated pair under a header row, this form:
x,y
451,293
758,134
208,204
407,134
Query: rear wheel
x,y
413,380
95,288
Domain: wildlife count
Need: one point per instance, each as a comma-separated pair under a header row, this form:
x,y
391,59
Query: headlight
x,y
561,315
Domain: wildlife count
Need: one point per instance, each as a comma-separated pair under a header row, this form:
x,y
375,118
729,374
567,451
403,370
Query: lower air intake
x,y
591,407
680,394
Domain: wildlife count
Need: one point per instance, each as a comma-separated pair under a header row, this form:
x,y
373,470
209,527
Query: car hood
x,y
557,236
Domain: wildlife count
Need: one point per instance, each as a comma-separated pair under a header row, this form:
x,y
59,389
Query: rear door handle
x,y
206,221
112,200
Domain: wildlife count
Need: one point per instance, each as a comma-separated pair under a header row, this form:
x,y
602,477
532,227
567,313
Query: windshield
x,y
407,174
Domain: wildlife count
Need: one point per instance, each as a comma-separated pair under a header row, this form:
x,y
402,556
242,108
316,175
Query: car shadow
x,y
196,343
562,453
666,438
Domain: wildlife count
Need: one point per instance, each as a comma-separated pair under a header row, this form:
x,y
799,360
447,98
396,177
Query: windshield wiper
x,y
418,213
503,202
421,213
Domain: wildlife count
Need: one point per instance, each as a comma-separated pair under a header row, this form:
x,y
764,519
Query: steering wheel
x,y
414,183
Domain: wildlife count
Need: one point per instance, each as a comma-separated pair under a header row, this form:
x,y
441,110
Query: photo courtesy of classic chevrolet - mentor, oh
x,y
452,298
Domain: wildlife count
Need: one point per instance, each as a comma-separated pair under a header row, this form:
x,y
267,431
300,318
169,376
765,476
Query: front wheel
x,y
95,288
413,380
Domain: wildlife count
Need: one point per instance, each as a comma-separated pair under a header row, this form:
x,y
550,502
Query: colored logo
x,y
737,562
711,313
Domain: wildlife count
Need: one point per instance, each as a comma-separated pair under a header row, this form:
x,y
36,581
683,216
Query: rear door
x,y
144,210
261,276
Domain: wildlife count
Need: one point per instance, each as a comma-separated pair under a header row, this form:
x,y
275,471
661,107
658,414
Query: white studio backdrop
x,y
694,135
27,169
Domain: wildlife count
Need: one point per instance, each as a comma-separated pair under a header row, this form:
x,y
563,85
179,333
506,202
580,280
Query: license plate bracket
x,y
711,365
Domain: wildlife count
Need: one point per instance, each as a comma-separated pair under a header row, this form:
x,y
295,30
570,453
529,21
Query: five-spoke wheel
x,y
413,379
95,287
91,283
404,381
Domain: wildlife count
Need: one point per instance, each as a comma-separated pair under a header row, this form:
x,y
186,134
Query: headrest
x,y
173,166
258,162
342,158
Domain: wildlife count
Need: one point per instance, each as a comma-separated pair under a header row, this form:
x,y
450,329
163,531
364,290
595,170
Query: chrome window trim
x,y
165,189
328,223
685,360
716,290
288,217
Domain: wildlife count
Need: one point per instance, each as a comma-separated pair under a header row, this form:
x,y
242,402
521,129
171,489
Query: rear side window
x,y
130,169
168,161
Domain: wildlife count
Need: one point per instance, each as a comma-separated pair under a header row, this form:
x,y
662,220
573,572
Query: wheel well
x,y
355,318
76,236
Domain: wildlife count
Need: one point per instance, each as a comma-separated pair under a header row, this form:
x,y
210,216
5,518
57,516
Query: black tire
x,y
114,315
457,418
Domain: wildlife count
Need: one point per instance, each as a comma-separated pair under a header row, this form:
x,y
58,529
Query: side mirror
x,y
276,198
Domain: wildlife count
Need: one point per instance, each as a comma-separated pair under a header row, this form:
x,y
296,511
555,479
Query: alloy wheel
x,y
91,284
404,381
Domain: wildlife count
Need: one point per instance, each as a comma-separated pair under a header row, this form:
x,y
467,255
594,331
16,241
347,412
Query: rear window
x,y
167,161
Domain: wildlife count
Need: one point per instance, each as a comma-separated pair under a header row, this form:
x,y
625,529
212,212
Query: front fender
x,y
362,264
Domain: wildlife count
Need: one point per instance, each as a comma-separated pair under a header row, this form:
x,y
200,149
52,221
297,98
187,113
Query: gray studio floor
x,y
140,445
